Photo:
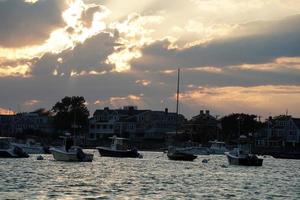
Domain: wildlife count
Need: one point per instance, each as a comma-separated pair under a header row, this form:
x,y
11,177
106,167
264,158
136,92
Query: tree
x,y
237,124
71,113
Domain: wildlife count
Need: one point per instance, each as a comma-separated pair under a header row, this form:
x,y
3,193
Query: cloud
x,y
143,82
73,32
5,111
132,36
279,39
24,24
258,99
32,102
84,59
22,70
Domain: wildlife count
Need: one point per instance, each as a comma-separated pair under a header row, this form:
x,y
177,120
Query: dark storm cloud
x,y
23,24
271,40
88,56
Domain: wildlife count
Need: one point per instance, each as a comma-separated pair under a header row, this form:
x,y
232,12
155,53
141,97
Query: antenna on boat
x,y
177,99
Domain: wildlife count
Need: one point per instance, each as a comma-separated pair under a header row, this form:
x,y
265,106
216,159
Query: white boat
x,y
242,155
8,150
31,147
217,147
68,152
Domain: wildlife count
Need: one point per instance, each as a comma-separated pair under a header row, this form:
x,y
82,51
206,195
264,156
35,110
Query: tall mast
x,y
177,100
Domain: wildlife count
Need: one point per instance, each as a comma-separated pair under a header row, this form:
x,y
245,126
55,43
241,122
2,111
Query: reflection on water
x,y
153,177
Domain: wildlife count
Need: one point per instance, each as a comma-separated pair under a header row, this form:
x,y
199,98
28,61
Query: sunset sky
x,y
234,55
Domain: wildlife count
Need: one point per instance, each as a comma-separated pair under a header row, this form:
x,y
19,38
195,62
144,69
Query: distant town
x,y
150,129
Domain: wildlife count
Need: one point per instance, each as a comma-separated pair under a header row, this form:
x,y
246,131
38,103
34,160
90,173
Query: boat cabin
x,y
119,143
217,144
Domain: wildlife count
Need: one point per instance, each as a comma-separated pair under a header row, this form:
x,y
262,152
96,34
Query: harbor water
x,y
153,177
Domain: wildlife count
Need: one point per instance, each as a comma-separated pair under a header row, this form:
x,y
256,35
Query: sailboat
x,y
175,153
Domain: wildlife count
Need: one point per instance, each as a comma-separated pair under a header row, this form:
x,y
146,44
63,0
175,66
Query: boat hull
x,y
286,155
10,154
245,161
105,152
181,156
33,149
195,150
61,155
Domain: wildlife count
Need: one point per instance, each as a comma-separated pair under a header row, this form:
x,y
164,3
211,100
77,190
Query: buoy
x,y
224,166
40,157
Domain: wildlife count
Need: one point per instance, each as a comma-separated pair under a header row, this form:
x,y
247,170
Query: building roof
x,y
119,112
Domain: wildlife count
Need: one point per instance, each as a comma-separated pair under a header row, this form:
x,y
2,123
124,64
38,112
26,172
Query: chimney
x,y
207,112
166,110
270,118
201,112
106,108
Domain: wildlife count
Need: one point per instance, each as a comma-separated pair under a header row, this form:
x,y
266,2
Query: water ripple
x,y
153,177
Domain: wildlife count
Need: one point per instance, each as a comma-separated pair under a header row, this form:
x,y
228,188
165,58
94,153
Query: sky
x,y
233,55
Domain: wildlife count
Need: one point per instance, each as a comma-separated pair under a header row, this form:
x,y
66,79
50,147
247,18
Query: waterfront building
x,y
33,122
132,123
6,125
278,134
203,127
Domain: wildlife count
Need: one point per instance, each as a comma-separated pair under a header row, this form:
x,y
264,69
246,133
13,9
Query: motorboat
x,y
195,150
242,155
31,147
69,152
177,154
119,148
217,147
8,150
286,155
237,157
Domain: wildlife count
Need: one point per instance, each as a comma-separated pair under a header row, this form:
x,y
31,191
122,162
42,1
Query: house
x,y
6,125
281,132
132,123
33,122
107,122
203,127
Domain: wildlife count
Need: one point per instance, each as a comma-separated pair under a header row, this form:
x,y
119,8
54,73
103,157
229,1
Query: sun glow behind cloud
x,y
132,37
63,38
262,99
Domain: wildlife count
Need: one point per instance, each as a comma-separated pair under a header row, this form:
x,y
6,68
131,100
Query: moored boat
x,y
286,155
195,150
71,153
33,148
119,148
242,155
8,150
236,157
177,154
217,147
